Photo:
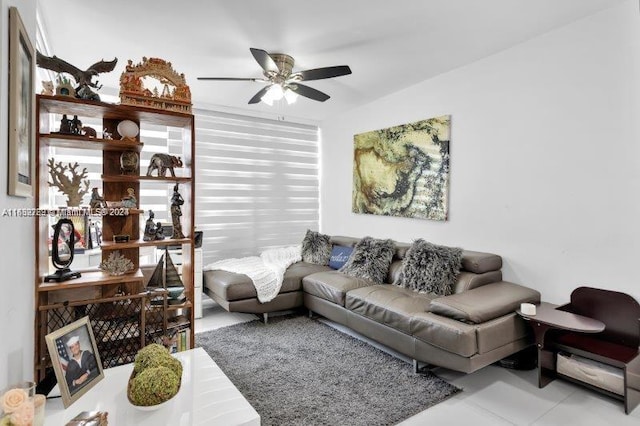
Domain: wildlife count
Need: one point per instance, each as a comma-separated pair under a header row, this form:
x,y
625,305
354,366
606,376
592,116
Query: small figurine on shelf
x,y
162,163
83,78
76,125
106,134
97,200
47,88
129,163
65,88
159,231
130,201
89,132
149,228
65,125
176,212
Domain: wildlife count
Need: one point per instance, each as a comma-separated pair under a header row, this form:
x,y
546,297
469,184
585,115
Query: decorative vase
x,y
19,405
129,162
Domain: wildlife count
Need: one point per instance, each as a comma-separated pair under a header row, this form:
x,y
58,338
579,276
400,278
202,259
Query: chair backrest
x,y
618,311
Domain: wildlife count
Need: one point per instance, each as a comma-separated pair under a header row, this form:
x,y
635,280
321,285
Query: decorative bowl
x,y
152,407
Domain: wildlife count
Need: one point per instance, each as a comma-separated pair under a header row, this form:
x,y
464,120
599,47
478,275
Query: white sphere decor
x,y
128,129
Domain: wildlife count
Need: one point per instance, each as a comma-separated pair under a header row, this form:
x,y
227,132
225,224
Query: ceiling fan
x,y
282,81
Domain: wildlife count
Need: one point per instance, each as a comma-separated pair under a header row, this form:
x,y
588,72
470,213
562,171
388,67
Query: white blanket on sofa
x,y
266,271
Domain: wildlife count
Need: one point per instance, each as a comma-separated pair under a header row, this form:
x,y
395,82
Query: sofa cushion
x,y
231,286
445,333
316,248
430,268
501,331
484,303
370,259
332,285
469,280
479,262
339,256
388,304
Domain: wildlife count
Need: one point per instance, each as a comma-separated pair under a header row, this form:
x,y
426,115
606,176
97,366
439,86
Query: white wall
x,y
545,157
17,258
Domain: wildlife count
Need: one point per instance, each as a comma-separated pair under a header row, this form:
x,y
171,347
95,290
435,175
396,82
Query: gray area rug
x,y
298,371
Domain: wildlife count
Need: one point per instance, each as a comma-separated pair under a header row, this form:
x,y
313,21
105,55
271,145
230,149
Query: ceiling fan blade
x,y
326,72
264,60
308,92
230,79
258,96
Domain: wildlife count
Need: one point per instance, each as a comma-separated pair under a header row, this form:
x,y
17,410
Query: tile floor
x,y
492,396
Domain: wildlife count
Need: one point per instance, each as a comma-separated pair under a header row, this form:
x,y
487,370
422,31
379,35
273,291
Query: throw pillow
x,y
370,259
430,268
339,256
316,248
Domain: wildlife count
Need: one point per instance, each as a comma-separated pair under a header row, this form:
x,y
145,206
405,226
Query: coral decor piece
x,y
116,264
69,185
175,95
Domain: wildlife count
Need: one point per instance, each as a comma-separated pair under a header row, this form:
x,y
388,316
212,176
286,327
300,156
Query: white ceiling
x,y
389,45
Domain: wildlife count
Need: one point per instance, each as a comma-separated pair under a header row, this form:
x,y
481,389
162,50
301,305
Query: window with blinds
x,y
257,183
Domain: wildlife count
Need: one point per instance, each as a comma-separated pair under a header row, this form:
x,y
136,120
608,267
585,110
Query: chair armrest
x,y
484,303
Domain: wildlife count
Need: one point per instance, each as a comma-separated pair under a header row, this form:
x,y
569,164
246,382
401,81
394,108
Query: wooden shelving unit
x,y
124,314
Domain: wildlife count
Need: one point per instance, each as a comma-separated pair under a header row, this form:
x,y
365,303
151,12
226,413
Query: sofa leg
x,y
310,313
265,317
421,369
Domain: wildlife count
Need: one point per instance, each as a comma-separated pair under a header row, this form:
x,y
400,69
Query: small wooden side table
x,y
547,317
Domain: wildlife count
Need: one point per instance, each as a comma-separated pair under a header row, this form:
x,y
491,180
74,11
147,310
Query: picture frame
x,y
94,242
68,344
21,109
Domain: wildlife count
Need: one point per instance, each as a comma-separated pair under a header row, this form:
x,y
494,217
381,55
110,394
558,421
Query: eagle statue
x,y
83,78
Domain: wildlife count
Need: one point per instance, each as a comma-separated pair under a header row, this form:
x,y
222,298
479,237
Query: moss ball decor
x,y
156,376
149,356
154,386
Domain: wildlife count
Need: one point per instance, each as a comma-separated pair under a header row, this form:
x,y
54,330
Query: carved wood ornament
x,y
175,95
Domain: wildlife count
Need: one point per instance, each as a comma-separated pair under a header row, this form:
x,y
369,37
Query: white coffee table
x,y
206,397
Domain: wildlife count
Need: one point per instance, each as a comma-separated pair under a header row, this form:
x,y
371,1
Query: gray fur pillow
x,y
316,248
370,259
430,268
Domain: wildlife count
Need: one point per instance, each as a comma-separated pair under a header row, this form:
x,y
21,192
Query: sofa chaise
x,y
471,328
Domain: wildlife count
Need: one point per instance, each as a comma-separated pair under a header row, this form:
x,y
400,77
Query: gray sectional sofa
x,y
465,331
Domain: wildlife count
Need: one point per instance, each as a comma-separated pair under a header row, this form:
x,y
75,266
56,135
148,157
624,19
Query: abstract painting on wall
x,y
403,170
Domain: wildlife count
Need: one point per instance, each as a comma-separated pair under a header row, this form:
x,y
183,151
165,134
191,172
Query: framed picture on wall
x,y
21,109
75,359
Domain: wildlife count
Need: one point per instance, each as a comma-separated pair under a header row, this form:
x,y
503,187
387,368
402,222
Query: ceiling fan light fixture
x,y
275,92
282,81
290,96
267,100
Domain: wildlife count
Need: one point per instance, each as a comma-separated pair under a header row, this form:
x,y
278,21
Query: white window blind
x,y
257,183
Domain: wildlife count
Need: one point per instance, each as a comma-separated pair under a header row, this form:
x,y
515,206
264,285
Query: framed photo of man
x,y
75,358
